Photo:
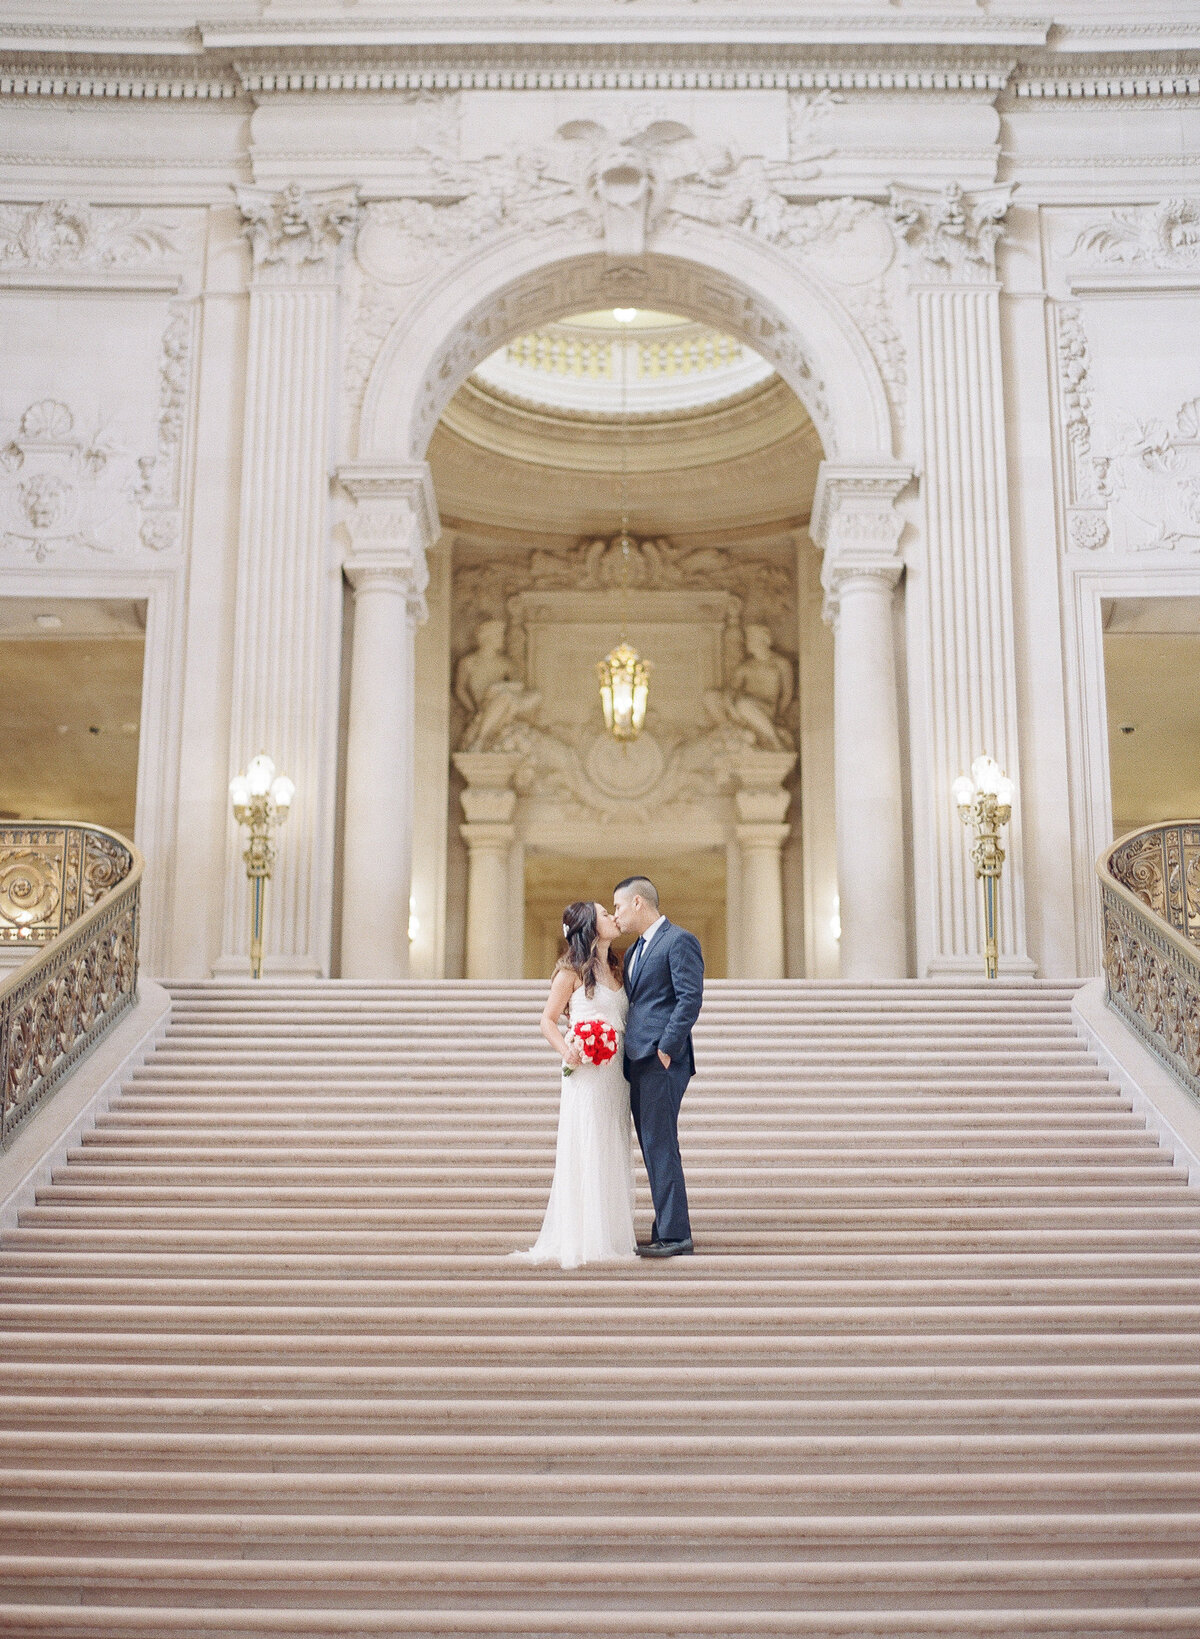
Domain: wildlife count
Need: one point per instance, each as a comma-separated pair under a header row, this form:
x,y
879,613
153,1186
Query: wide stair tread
x,y
935,1373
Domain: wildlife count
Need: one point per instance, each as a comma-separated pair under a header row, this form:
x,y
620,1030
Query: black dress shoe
x,y
664,1249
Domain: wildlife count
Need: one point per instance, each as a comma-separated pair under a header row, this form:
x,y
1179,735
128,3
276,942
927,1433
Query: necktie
x,y
635,956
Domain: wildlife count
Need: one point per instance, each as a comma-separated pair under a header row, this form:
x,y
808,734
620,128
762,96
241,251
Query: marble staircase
x,y
265,1368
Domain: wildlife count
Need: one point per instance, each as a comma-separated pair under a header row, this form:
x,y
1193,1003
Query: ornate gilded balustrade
x,y
71,895
1150,909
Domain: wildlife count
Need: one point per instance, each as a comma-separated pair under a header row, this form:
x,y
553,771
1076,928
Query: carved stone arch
x,y
725,278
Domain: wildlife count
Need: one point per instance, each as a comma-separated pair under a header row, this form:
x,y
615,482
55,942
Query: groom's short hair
x,y
642,886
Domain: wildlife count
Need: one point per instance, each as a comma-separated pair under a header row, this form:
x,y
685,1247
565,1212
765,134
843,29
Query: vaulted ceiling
x,y
698,432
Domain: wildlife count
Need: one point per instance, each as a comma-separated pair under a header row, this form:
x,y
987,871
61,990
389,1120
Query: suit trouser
x,y
655,1094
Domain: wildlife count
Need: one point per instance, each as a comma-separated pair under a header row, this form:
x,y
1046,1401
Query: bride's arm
x,y
556,1006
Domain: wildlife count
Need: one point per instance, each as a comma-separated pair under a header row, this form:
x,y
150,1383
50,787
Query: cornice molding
x,y
854,54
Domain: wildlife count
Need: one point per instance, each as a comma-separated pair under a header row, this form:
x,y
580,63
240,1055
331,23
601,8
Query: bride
x,y
589,1216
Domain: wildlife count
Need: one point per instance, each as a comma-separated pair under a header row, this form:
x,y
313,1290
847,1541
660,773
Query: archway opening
x,y
571,427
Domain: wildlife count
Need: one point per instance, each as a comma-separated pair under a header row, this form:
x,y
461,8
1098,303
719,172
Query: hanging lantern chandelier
x,y
624,676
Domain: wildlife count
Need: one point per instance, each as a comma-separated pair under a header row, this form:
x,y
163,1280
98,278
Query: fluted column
x,y
489,804
856,525
392,521
969,678
285,660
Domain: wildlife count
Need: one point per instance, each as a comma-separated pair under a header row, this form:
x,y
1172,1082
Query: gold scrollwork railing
x,y
1150,913
71,895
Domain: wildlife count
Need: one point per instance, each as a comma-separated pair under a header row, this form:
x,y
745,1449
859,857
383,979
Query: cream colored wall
x,y
70,710
1152,686
131,311
691,889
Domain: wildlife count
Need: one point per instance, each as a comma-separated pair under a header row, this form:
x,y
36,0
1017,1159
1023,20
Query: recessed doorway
x,y
70,709
691,887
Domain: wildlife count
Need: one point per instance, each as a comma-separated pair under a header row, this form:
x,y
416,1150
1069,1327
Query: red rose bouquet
x,y
596,1041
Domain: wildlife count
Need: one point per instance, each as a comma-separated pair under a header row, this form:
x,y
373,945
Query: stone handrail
x,y
1150,916
71,895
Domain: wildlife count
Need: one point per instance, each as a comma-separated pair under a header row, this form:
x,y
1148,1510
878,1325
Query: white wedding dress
x,y
589,1216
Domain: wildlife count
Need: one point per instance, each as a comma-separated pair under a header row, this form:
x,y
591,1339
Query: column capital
x,y
856,525
389,521
950,235
298,236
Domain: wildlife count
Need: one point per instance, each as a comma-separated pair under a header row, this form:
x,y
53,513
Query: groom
x,y
664,980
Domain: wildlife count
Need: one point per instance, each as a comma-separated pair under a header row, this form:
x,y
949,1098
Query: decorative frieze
x,y
70,234
1162,238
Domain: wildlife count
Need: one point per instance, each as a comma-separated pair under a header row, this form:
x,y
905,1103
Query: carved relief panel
x,y
529,628
1128,393
91,437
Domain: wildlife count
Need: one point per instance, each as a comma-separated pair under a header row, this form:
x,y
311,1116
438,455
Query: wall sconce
x,y
261,800
984,799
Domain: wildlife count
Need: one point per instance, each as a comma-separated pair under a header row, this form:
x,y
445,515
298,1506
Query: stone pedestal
x,y
760,804
288,590
856,525
391,522
489,803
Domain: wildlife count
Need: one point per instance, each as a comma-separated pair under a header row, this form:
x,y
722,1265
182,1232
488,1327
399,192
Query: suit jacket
x,y
665,995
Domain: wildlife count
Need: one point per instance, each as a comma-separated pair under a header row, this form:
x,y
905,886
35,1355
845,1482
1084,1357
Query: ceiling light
x,y
625,315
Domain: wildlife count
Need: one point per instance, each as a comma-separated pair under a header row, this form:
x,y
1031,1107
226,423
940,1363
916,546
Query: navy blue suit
x,y
665,995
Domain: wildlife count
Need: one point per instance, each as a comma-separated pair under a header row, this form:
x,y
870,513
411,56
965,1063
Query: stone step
x,y
19,1256
947,1412
800,1539
579,1350
559,1296
630,1584
716,1621
769,1183
724,1229
269,1369
554,1450
625,1392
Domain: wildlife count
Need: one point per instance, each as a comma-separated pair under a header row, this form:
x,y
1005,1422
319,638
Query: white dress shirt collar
x,y
651,931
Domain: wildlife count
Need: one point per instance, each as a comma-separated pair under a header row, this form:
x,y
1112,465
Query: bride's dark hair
x,y
581,955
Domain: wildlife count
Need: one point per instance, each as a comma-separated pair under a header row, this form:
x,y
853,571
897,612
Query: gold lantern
x,y
624,689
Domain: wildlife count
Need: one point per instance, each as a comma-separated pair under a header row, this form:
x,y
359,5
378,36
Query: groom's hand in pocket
x,y
664,1059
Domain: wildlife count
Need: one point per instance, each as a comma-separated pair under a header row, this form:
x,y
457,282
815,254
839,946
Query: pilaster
x,y
969,681
284,698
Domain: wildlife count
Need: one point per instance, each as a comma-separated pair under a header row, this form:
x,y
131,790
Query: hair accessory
x,y
566,931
